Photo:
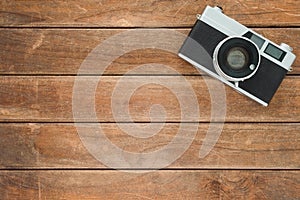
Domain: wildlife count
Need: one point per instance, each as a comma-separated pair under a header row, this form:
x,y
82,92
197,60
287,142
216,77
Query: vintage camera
x,y
236,55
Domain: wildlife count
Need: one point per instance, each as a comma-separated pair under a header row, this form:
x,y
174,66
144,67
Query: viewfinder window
x,y
257,40
275,52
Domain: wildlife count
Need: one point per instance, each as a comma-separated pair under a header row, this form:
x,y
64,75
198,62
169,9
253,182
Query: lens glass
x,y
237,58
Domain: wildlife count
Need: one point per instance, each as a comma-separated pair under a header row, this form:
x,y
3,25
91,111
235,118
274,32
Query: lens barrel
x,y
236,58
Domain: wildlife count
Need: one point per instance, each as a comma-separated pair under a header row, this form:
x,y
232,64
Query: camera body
x,y
236,55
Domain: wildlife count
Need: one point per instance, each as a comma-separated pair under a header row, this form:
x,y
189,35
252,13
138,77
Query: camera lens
x,y
236,58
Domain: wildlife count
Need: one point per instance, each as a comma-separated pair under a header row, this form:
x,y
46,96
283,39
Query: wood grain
x,y
240,146
49,99
42,46
61,51
132,13
160,184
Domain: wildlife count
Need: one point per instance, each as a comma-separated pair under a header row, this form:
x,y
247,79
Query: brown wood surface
x,y
61,51
42,45
241,146
49,99
132,13
194,184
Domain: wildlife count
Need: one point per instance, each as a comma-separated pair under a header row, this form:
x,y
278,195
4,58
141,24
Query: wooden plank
x,y
19,185
49,99
240,146
156,185
52,51
131,13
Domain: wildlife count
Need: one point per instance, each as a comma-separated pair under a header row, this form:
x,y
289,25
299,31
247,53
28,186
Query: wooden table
x,y
42,45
